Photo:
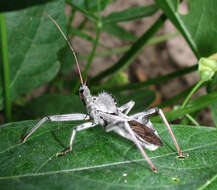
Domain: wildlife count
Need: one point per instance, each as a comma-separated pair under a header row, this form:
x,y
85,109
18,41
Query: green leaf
x,y
131,14
33,43
67,60
102,159
11,5
214,113
207,68
198,26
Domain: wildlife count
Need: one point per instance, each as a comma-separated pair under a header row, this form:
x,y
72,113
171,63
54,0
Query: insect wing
x,y
145,133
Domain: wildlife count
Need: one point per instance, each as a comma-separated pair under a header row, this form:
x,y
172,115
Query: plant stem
x,y
177,97
82,24
130,55
89,15
156,80
192,92
5,66
194,105
192,119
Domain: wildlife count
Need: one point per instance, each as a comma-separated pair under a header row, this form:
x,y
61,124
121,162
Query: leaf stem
x,y
130,55
197,86
5,66
208,182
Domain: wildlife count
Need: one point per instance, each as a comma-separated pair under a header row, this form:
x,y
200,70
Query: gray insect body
x,y
103,110
105,103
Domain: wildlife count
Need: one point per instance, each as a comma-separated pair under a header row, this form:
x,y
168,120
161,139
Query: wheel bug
x,y
103,110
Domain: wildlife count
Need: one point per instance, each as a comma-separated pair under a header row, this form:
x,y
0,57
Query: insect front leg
x,y
74,131
139,146
64,117
128,106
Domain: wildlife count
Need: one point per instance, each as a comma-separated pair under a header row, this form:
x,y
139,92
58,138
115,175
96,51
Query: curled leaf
x,y
207,67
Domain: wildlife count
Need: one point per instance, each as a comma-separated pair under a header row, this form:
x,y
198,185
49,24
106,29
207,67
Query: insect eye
x,y
81,91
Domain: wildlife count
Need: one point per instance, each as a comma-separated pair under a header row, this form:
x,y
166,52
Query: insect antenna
x,y
69,44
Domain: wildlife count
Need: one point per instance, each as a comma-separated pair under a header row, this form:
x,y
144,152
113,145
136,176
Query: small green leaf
x,y
131,14
102,159
207,68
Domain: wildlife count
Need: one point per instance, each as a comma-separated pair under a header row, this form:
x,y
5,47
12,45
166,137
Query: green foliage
x,y
33,42
100,160
37,54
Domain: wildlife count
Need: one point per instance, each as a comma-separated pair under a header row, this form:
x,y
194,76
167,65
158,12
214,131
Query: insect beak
x,y
82,98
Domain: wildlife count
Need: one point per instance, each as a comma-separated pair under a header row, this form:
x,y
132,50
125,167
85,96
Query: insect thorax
x,y
105,103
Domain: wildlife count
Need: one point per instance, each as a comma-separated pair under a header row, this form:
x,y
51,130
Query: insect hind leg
x,y
139,146
152,111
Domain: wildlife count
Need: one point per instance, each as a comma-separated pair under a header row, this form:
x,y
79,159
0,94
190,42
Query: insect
x,y
103,110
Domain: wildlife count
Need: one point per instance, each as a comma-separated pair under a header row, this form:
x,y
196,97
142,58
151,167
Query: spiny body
x,y
105,103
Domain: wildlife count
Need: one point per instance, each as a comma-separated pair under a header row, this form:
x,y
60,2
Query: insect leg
x,y
65,117
127,126
143,114
170,131
74,131
128,106
160,112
